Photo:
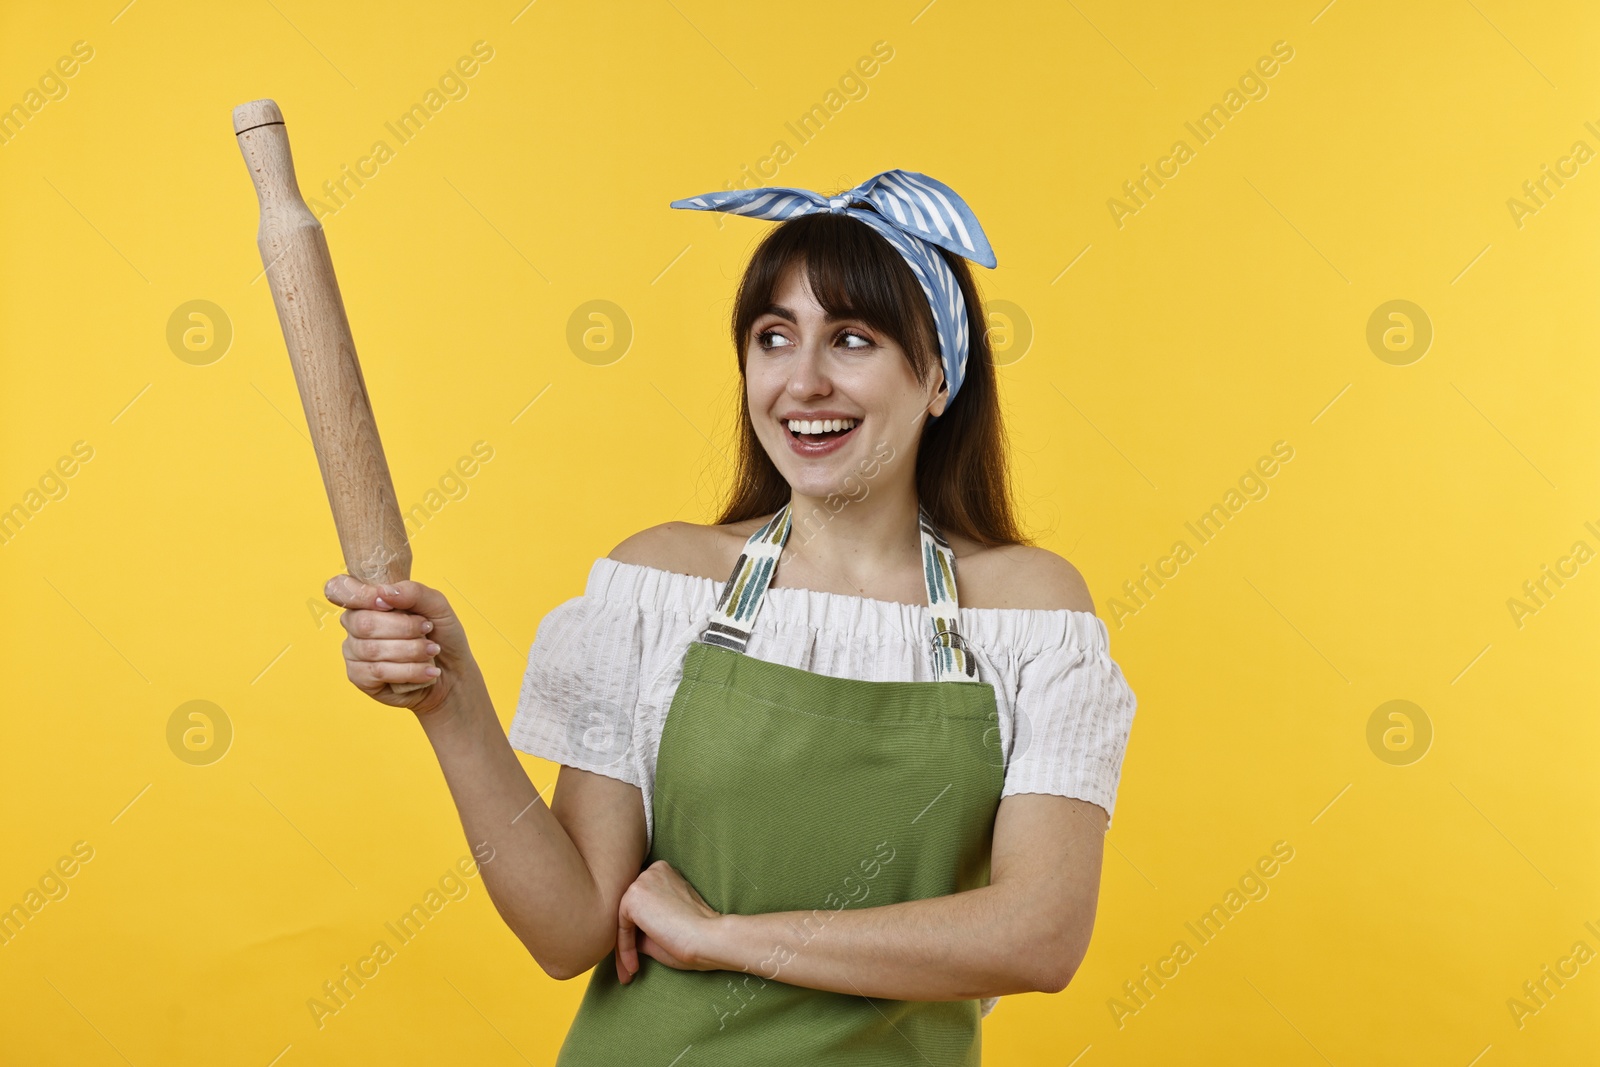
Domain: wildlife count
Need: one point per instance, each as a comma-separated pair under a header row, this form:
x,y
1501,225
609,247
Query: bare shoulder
x,y
1018,576
687,547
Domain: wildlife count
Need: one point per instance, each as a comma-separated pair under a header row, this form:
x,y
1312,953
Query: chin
x,y
816,478
804,474
817,485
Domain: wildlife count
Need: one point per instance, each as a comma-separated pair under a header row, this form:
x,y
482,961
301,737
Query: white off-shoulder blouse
x,y
604,667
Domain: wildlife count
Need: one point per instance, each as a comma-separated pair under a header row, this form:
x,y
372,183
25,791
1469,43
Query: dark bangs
x,y
853,272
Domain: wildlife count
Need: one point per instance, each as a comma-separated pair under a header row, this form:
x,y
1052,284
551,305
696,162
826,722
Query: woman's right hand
x,y
393,631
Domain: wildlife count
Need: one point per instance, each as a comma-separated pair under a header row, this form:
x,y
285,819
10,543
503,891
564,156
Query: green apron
x,y
778,789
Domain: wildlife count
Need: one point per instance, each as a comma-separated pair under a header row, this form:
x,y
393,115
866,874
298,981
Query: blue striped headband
x,y
914,213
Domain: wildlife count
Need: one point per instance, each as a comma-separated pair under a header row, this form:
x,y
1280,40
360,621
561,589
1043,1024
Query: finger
x,y
415,597
376,675
348,592
398,651
627,947
420,599
649,946
385,625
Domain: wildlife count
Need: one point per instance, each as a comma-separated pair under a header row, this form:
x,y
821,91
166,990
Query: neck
x,y
860,542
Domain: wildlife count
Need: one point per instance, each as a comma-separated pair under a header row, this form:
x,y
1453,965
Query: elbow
x,y
561,971
573,962
570,950
1056,961
1054,976
566,965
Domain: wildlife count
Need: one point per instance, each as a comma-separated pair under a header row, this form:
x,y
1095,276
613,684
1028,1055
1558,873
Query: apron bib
x,y
779,789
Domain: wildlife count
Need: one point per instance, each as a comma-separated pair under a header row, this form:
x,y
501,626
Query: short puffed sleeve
x,y
581,688
1073,712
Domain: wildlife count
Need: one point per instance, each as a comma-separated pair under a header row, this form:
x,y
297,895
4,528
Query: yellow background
x,y
1229,313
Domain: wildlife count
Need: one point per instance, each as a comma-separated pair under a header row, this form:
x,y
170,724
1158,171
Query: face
x,y
801,365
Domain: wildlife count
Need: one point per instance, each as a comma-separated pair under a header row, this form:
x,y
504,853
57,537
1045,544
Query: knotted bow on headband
x,y
914,213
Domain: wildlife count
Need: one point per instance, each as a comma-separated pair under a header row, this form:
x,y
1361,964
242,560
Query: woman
x,y
822,812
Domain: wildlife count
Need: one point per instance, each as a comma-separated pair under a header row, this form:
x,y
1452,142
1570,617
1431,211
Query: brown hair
x,y
962,478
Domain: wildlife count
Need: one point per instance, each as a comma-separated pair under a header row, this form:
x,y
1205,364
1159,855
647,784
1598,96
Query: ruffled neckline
x,y
858,616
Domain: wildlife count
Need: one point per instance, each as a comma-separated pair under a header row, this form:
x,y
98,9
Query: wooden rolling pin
x,y
299,269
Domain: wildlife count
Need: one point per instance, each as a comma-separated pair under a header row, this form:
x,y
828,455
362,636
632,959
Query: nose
x,y
808,372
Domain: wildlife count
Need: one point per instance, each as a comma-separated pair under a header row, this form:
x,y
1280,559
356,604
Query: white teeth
x,y
819,425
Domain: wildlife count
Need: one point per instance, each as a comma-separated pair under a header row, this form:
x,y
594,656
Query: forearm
x,y
537,878
982,943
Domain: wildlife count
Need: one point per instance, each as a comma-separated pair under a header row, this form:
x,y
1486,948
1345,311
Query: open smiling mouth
x,y
818,434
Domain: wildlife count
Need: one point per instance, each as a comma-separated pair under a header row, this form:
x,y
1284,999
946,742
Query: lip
x,y
813,415
821,448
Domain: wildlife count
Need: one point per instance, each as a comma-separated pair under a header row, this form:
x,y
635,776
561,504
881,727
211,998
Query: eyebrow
x,y
784,313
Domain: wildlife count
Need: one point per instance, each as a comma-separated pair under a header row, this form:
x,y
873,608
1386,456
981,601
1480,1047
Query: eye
x,y
866,342
761,338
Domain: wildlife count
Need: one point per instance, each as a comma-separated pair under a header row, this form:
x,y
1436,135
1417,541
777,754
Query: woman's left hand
x,y
663,917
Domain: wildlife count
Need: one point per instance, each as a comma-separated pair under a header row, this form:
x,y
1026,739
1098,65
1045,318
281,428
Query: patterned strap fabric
x,y
952,662
734,615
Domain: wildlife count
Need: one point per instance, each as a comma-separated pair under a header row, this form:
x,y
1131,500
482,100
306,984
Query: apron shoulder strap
x,y
952,661
734,615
